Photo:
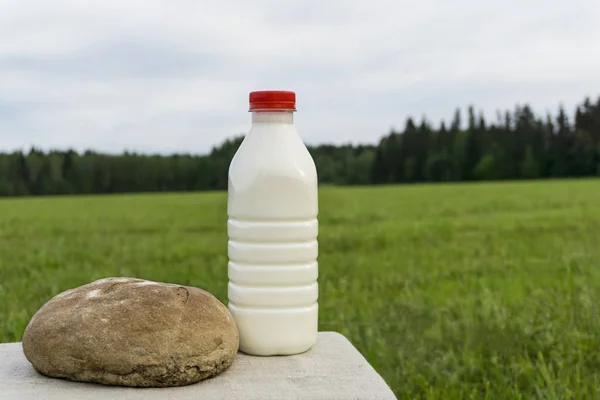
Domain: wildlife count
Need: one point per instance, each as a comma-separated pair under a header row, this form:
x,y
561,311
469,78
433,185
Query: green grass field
x,y
450,291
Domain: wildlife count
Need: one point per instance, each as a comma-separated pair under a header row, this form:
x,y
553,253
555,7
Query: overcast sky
x,y
174,76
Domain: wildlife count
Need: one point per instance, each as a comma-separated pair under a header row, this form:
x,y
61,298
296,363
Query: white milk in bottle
x,y
272,228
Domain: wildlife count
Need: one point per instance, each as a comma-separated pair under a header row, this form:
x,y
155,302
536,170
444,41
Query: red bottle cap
x,y
272,100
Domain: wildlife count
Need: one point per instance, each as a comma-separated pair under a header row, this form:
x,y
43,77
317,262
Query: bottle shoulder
x,y
272,175
273,151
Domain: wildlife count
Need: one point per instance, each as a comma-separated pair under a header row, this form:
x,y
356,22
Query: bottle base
x,y
267,352
276,332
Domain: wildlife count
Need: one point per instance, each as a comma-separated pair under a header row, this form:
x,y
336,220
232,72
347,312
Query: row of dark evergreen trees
x,y
518,145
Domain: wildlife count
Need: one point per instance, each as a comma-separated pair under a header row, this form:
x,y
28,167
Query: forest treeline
x,y
517,145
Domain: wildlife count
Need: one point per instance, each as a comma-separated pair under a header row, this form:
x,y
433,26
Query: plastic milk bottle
x,y
272,227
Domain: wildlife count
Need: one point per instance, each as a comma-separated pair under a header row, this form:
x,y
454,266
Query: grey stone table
x,y
332,369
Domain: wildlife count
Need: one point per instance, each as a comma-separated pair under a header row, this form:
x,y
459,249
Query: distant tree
x,y
473,150
529,166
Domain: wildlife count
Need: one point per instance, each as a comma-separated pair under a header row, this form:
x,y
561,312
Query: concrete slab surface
x,y
332,369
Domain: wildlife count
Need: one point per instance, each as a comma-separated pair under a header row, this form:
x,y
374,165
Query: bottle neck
x,y
273,117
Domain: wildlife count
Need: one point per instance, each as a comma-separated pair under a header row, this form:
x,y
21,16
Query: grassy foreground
x,y
450,291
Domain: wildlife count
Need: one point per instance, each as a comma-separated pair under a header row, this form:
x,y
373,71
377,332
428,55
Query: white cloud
x,y
166,76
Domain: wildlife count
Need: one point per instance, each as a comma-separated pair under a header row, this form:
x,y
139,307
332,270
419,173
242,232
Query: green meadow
x,y
450,291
